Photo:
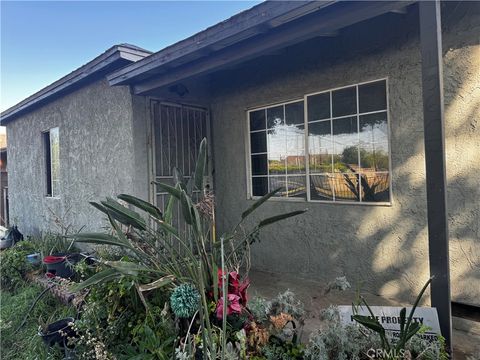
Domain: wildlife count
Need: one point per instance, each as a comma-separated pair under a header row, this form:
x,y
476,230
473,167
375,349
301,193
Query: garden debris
x,y
60,291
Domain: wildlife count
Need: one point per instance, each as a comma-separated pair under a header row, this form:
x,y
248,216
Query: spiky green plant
x,y
161,254
408,328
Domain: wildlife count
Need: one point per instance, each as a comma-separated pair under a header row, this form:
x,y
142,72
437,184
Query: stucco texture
x,y
96,158
382,248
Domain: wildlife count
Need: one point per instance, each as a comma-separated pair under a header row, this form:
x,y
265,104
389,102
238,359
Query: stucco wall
x,y
384,248
96,158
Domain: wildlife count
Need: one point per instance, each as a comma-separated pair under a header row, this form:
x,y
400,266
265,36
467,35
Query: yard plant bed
x,y
172,288
25,343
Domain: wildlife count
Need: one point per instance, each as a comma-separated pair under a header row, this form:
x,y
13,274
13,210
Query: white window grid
x,y
307,174
269,176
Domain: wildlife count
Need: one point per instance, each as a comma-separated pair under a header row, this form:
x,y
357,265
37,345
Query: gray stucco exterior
x,y
384,248
105,139
97,158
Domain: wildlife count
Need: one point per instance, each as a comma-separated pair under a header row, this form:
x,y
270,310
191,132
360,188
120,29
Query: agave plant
x,y
408,328
161,253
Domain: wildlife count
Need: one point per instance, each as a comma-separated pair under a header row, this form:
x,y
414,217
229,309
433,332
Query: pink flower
x,y
234,286
233,305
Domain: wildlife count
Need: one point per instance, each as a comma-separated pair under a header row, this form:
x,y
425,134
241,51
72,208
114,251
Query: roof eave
x,y
89,70
247,24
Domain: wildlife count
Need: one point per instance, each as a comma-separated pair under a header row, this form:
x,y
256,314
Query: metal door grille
x,y
178,131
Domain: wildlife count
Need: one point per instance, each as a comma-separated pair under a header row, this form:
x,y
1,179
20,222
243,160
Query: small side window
x,y
52,162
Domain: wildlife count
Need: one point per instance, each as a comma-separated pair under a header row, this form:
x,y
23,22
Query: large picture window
x,y
345,131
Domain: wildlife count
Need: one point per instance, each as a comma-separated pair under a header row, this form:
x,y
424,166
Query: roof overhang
x,y
258,31
114,58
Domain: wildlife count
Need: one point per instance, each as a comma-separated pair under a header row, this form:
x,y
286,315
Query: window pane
x,y
277,140
294,113
296,164
259,164
55,171
296,186
276,164
259,186
295,155
258,142
344,101
372,96
375,187
277,182
257,120
275,116
374,142
55,188
320,147
54,145
346,187
319,106
321,187
345,140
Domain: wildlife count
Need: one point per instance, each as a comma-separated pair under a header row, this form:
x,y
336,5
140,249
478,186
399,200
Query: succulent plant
x,y
185,300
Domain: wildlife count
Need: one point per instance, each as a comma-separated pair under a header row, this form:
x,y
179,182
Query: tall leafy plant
x,y
163,252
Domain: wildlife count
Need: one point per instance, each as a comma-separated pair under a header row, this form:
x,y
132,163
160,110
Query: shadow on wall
x,y
390,244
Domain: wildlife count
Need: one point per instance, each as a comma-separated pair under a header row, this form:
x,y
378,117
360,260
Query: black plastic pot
x,y
58,332
61,264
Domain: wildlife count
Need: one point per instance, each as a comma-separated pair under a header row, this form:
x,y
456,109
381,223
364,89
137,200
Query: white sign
x,y
389,318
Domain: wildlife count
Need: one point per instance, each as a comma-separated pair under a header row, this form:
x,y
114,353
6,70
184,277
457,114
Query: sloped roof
x,y
246,24
115,57
263,29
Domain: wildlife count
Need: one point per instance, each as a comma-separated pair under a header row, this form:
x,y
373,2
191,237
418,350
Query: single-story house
x,y
321,99
3,181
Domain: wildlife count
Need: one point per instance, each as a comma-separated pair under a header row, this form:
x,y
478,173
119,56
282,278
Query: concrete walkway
x,y
466,334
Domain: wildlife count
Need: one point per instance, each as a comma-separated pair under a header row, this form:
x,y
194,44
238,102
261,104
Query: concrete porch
x,y
466,333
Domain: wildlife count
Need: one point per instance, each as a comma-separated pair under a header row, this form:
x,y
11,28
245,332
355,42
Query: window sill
x,y
52,197
296,200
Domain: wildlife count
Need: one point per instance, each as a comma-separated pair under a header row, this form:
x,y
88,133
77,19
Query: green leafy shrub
x,y
23,342
114,323
14,265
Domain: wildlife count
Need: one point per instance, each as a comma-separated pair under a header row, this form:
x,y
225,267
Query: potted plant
x,y
58,332
34,258
59,256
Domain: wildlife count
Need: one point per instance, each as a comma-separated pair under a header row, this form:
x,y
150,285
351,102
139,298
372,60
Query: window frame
x,y
249,176
49,164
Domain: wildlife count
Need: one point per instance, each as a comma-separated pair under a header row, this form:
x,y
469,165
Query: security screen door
x,y
178,131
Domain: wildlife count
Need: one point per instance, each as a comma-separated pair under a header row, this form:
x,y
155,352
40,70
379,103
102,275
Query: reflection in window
x,y
278,151
348,150
345,144
374,142
321,187
320,147
344,102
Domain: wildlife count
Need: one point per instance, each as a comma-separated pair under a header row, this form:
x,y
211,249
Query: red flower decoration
x,y
233,306
234,285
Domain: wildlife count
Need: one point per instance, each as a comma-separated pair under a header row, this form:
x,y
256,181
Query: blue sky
x,y
42,41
